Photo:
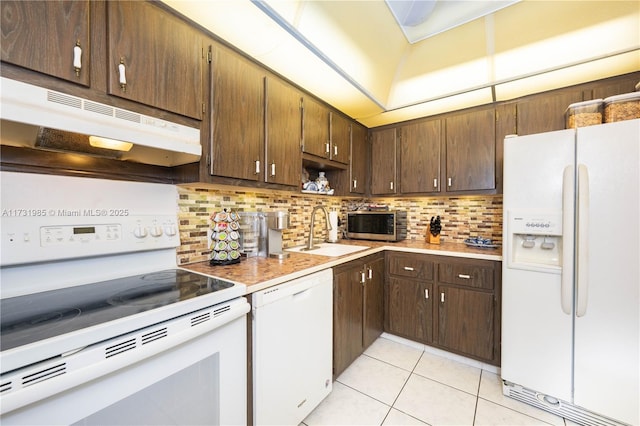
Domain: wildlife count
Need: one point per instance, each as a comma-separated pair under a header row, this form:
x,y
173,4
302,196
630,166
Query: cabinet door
x,y
43,36
545,112
383,156
466,321
410,309
359,160
373,322
420,157
315,130
154,58
340,138
284,122
347,315
238,116
471,151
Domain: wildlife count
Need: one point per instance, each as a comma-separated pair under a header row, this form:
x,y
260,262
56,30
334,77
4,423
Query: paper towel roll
x,y
333,233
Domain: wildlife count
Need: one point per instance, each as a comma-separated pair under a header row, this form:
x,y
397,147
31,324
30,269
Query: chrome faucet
x,y
310,245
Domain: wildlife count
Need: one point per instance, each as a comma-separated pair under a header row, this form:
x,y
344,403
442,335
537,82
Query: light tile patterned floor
x,y
398,383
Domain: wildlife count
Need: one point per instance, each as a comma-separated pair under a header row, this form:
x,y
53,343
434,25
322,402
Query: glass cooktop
x,y
34,317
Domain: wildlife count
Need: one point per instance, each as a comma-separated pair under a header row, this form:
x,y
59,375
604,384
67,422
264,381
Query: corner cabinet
x,y
446,302
154,58
358,166
383,156
52,38
283,133
358,308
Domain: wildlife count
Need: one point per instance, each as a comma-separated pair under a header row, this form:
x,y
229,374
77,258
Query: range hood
x,y
36,117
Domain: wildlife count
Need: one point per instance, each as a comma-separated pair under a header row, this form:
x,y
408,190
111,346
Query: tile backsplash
x,y
461,217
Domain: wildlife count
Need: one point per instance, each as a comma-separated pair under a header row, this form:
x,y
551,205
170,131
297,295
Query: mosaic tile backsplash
x,y
462,217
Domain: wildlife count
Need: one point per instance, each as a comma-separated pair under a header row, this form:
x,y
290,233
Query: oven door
x,y
197,376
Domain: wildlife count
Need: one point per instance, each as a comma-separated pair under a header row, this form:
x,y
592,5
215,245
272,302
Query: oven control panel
x,y
41,239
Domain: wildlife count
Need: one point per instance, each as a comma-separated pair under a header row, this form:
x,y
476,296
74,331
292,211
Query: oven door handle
x,y
92,362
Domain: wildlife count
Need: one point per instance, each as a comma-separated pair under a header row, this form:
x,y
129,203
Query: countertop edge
x,y
325,262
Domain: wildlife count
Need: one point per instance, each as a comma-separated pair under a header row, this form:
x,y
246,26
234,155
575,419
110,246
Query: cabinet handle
x,y
435,183
77,58
355,183
408,268
122,77
391,186
335,150
442,297
464,276
257,167
426,293
449,181
327,150
362,277
273,169
370,272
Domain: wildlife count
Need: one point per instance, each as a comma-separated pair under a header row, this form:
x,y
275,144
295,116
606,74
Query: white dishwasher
x,y
292,348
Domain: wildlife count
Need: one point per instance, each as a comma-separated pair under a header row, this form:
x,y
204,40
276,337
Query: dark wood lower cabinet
x,y
410,309
466,321
450,303
358,311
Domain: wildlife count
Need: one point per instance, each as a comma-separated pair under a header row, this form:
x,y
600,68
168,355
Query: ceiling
x,y
355,56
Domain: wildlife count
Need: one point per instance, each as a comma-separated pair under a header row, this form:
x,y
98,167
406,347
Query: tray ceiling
x,y
356,57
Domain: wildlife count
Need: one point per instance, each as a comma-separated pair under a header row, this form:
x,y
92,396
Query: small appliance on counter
x,y
261,233
377,225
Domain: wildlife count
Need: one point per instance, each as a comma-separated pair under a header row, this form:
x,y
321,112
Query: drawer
x,y
467,274
410,265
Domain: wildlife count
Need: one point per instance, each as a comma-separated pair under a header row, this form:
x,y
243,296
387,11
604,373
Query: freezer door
x,y
607,331
536,333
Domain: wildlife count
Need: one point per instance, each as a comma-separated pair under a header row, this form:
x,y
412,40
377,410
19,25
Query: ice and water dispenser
x,y
535,241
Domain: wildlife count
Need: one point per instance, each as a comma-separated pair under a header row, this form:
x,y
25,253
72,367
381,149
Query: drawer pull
x,y
464,276
426,293
408,268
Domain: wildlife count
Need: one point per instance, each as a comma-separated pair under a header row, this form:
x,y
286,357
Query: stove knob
x,y
140,231
170,230
156,231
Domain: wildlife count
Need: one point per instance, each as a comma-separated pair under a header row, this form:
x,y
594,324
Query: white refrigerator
x,y
571,272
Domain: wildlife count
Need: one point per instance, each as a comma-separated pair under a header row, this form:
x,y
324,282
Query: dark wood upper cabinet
x,y
48,36
359,160
154,58
315,132
471,151
383,161
237,141
545,112
420,157
283,133
340,138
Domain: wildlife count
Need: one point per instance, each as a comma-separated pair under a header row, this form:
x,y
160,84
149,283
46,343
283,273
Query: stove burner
x,y
155,295
55,316
39,316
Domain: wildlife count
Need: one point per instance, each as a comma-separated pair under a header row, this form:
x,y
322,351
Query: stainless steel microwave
x,y
377,225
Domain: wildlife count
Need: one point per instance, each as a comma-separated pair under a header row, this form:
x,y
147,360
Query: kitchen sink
x,y
329,249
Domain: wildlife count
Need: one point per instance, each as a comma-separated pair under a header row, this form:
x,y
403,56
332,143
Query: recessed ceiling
x,y
355,56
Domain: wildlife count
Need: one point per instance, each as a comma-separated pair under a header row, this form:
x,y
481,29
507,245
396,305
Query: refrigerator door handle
x,y
583,243
566,283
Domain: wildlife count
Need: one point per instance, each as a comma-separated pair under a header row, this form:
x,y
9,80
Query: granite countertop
x,y
258,273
